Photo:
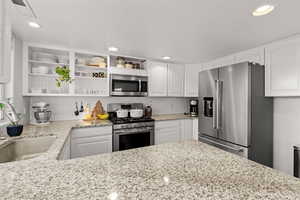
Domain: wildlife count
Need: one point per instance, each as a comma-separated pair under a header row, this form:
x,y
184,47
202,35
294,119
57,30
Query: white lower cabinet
x,y
167,131
195,128
66,150
174,130
186,129
91,141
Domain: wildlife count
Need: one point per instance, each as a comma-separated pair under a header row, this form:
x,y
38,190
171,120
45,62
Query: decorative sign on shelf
x,y
98,75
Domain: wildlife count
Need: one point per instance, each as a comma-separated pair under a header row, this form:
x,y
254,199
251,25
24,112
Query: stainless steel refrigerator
x,y
234,115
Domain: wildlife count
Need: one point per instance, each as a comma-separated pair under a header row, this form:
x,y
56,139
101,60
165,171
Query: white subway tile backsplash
x,y
63,107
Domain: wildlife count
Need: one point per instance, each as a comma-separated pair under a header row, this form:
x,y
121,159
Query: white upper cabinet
x,y
283,68
5,40
191,80
158,78
176,80
252,55
220,62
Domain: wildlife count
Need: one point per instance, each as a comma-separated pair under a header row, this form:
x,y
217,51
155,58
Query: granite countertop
x,y
184,170
59,129
172,117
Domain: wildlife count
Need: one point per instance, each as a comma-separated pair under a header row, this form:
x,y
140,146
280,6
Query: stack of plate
x,y
40,70
44,57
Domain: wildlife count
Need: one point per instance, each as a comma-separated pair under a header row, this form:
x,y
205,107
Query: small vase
x,y
64,88
14,131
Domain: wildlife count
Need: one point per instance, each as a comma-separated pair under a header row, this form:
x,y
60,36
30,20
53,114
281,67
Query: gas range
x,y
131,132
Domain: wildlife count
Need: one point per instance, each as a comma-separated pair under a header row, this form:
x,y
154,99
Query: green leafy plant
x,y
63,75
13,121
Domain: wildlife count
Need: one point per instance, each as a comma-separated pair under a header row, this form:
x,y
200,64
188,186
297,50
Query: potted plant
x,y
64,77
15,128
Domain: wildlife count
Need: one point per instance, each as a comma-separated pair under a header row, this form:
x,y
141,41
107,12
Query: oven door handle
x,y
131,131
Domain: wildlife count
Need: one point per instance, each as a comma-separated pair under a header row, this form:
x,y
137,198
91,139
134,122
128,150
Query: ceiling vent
x,y
19,2
24,9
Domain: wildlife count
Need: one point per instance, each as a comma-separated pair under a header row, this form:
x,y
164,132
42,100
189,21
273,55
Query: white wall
x,y
63,107
286,132
14,87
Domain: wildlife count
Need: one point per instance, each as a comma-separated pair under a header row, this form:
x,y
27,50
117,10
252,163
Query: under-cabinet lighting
x,y
166,57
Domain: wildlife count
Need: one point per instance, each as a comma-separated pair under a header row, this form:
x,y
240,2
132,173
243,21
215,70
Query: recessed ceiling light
x,y
263,10
166,57
113,49
34,24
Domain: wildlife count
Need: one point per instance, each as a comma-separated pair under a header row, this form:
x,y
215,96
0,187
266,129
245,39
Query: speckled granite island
x,y
185,170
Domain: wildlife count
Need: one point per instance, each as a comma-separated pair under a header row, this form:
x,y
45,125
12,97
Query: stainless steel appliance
x,y
148,111
234,114
194,108
127,85
130,132
41,113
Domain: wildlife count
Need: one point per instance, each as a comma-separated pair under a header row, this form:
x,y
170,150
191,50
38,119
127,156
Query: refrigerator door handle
x,y
219,110
218,144
215,102
217,119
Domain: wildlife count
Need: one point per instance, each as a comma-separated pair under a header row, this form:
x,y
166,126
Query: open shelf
x,y
83,82
47,63
44,75
91,67
90,78
46,94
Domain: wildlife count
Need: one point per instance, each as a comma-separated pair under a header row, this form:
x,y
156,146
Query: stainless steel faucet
x,y
10,113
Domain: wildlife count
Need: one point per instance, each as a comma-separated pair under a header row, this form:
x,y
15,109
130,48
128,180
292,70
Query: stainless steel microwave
x,y
128,85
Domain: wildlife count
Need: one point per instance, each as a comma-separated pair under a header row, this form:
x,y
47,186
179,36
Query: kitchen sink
x,y
24,149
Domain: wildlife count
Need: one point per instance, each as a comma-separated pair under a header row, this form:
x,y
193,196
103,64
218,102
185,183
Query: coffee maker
x,y
193,108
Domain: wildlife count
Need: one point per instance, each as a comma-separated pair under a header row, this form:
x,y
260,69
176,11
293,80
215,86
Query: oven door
x,y
125,85
124,139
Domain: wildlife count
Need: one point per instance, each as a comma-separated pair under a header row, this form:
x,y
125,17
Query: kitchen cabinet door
x,y
186,129
91,141
167,131
158,78
82,147
282,69
195,128
5,40
176,80
66,150
191,80
253,55
220,62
